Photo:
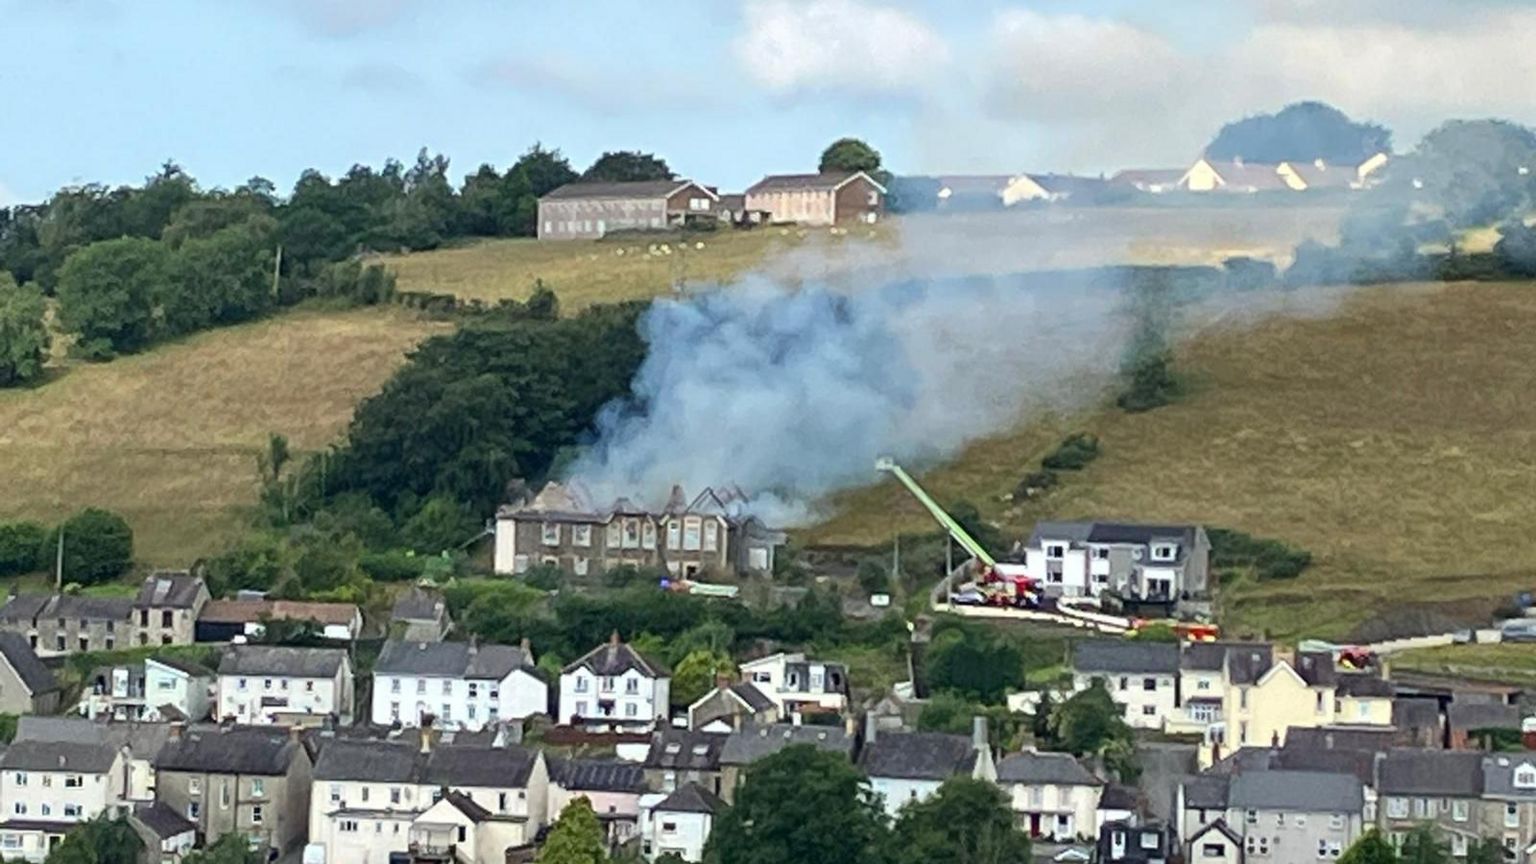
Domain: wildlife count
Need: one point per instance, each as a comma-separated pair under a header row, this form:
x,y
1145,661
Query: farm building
x,y
818,199
587,211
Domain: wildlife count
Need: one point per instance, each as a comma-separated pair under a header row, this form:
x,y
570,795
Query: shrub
x,y
1034,483
21,547
98,546
545,577
1269,559
1073,453
392,566
873,577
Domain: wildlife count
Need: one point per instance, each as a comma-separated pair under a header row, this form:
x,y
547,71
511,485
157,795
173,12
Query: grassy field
x,y
1515,664
169,438
1391,439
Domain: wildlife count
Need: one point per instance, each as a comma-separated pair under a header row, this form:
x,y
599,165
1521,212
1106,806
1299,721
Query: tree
x,y
849,154
965,822
1424,845
1090,723
107,293
21,547
1516,248
23,333
98,546
1371,848
627,165
975,663
946,712
874,578
232,848
1476,172
222,278
796,806
258,563
98,841
1304,131
575,838
695,675
441,524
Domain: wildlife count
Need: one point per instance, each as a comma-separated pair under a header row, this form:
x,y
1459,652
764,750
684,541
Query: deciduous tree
x,y
627,165
1371,848
98,546
108,291
23,333
965,822
800,805
575,838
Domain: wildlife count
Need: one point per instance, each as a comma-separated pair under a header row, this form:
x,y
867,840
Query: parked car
x,y
1518,630
968,598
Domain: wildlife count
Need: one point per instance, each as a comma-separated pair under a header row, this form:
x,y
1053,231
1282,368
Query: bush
x,y
441,523
21,547
392,566
98,546
257,564
1073,453
545,577
873,577
1034,483
1269,559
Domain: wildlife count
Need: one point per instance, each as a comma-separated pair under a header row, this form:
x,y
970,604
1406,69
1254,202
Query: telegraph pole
x,y
277,269
58,562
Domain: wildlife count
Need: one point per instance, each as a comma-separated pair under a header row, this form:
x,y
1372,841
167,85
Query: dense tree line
x,y
1304,131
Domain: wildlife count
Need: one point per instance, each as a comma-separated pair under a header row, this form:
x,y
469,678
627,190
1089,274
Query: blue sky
x,y
726,90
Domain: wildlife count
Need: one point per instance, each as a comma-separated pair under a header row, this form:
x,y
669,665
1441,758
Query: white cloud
x,y
851,46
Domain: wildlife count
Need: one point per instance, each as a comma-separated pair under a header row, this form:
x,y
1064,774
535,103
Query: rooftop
x,y
282,660
451,660
691,798
752,743
169,589
19,654
1125,655
35,755
917,756
1054,768
1439,773
614,658
261,750
618,190
683,750
1297,791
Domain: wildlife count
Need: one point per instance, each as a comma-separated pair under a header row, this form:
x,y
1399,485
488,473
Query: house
x,y
1116,804
139,745
678,823
751,743
710,534
262,684
1153,563
55,624
1289,817
167,835
612,786
460,684
819,199
679,756
1052,795
1442,787
1214,843
1154,181
731,705
26,685
1142,676
1509,796
1266,696
798,685
589,211
1468,724
1316,176
250,780
1367,173
1203,682
48,787
420,615
613,686
1130,843
162,688
241,620
373,798
984,192
166,608
1209,175
910,766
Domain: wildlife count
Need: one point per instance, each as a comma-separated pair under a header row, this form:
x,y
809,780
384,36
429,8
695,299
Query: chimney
x,y
174,732
851,725
296,732
428,733
871,728
613,639
526,647
722,680
979,732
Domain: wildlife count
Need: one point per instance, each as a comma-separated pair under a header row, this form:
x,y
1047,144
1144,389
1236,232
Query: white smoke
x,y
792,392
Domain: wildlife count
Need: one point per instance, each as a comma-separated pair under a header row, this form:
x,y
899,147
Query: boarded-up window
x,y
631,533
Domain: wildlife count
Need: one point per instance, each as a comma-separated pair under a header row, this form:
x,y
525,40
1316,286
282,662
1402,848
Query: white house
x,y
678,823
168,836
798,685
911,766
1146,562
1052,795
139,744
262,684
612,686
47,787
459,684
183,687
1141,676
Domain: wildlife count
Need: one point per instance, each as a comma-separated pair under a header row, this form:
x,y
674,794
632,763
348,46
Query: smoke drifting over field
x,y
791,393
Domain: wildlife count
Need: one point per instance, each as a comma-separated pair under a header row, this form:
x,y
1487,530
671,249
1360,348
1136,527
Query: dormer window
x,y
1055,551
1164,552
1525,776
673,748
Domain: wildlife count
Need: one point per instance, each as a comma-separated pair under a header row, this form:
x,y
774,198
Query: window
x,y
1055,552
470,712
1148,840
394,711
1101,553
167,618
711,535
195,786
1252,817
1263,845
874,199
581,708
631,533
669,827
551,533
1202,684
1279,820
1335,848
632,686
674,534
1125,683
85,643
1149,683
1301,820
607,683
73,810
335,794
1319,701
1511,815
447,712
581,684
1459,845
349,825
194,809
1163,552
259,788
581,535
21,808
614,530
394,794
421,685
448,687
648,535
240,685
1242,732
1525,776
1459,811
21,778
1421,809
1242,698
224,794
47,780
309,686
579,566
266,684
631,709
691,529
1397,808
394,685
1148,710
73,781
59,641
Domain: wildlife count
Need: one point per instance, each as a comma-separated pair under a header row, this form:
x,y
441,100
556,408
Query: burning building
x,y
712,534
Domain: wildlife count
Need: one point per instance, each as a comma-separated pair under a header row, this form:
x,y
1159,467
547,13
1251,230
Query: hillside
x,y
169,437
1393,439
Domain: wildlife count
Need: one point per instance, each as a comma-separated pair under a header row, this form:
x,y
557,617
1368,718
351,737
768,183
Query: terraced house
x,y
711,534
164,612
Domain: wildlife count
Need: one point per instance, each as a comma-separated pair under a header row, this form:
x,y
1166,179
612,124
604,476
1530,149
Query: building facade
x,y
1052,795
1141,676
458,684
1155,563
613,686
588,211
819,199
798,685
247,780
262,684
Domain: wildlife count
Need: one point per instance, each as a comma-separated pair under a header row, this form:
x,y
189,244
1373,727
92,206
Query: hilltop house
x,y
250,780
460,684
797,685
26,685
162,613
262,684
588,211
613,686
711,534
911,766
1154,563
818,199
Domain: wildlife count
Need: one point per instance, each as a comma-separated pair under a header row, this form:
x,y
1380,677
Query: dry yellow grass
x,y
1395,440
169,438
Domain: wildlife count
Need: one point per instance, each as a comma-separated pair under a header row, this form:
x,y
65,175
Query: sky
x,y
725,90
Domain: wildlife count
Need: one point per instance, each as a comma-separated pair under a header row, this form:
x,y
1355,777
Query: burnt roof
x,y
918,755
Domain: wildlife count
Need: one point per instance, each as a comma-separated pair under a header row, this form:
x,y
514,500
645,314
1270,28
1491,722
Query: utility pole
x,y
58,563
949,569
277,269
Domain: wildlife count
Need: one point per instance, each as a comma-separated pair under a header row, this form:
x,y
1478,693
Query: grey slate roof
x,y
507,767
797,182
691,798
1482,715
615,658
1372,738
264,750
58,756
597,775
1499,775
1316,668
1206,791
23,607
617,190
1054,768
1415,713
1118,797
752,743
374,761
683,750
29,668
917,756
1212,656
450,660
418,605
1296,791
1125,655
756,699
1446,773
1248,666
281,660
69,606
1219,826
1363,684
467,806
161,820
168,589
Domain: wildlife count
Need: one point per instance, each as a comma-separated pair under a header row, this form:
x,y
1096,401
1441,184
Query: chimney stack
x,y
979,732
428,733
174,732
613,639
